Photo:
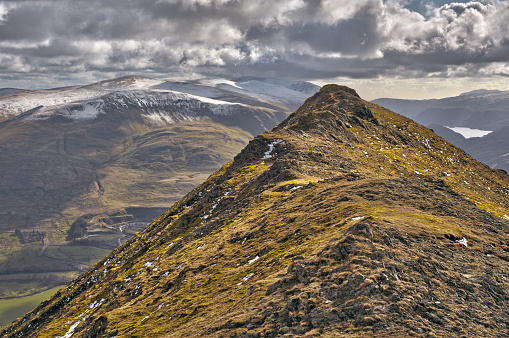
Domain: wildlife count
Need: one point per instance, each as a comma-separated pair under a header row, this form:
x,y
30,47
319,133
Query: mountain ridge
x,y
344,220
84,164
477,109
207,91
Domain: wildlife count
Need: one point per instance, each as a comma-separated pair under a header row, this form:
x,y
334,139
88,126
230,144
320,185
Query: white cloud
x,y
14,63
473,28
314,39
497,68
96,52
334,12
25,44
3,13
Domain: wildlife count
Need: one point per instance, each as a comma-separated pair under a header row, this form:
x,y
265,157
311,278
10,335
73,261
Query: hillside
x,y
85,167
492,149
344,220
479,109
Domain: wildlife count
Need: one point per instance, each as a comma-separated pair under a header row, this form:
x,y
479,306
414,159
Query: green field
x,y
28,284
10,309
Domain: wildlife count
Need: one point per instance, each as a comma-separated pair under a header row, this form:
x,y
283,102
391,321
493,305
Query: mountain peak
x,y
332,107
335,88
337,100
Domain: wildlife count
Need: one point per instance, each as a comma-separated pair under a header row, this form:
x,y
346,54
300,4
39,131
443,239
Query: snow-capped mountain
x,y
159,101
150,103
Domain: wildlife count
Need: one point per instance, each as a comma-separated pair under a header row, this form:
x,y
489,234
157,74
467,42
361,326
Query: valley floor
x,y
10,309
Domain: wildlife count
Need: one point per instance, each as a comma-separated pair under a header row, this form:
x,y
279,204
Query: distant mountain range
x,y
161,102
91,165
480,109
345,220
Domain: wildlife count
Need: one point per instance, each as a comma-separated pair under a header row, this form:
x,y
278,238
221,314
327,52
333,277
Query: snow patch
x,y
358,218
214,101
268,153
96,303
463,241
87,111
71,330
272,90
248,276
215,82
253,260
145,83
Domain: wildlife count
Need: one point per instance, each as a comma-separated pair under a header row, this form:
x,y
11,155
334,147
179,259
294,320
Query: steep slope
x,y
480,109
450,135
345,220
492,149
85,167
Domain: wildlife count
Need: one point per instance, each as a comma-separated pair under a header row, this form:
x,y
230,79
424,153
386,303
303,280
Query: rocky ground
x,y
346,220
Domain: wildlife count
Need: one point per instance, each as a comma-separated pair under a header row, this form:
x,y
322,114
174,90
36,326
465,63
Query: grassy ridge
x,y
345,221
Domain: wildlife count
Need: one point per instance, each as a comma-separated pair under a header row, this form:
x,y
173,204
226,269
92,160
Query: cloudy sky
x,y
383,48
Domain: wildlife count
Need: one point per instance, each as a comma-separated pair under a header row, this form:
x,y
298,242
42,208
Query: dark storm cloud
x,y
288,38
27,22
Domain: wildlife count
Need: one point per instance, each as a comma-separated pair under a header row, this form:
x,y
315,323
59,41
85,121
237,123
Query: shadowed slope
x,y
345,220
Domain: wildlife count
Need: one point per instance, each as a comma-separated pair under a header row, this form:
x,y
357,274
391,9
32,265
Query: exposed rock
x,y
339,222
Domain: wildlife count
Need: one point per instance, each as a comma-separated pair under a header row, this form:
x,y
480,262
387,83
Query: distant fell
x,y
478,109
480,92
345,220
481,109
10,91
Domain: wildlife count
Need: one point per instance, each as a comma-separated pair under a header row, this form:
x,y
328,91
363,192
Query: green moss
x,y
429,218
349,210
270,195
296,182
256,168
